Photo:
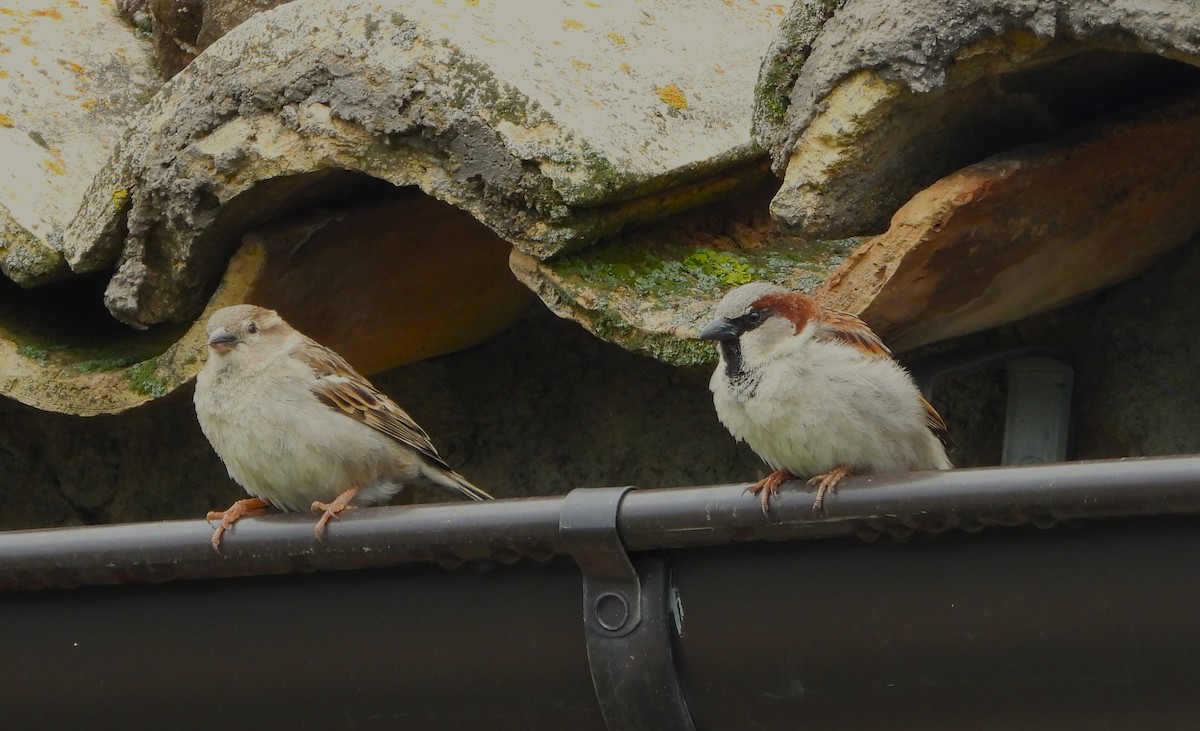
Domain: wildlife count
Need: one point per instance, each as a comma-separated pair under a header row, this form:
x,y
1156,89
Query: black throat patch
x,y
744,382
731,353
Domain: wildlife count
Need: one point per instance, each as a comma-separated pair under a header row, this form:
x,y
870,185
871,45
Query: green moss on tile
x,y
771,95
609,325
33,352
478,90
28,262
78,358
681,352
680,269
602,177
102,364
651,290
38,139
725,268
142,23
370,27
143,95
75,359
145,379
795,35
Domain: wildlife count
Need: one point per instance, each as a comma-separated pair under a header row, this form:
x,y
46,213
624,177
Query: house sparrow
x,y
300,429
815,393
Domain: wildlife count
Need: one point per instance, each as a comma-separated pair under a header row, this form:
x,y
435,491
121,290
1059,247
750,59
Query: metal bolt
x,y
612,611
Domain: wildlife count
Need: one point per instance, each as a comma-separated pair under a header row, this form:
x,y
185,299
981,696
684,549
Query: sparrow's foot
x,y
247,508
331,510
769,486
826,483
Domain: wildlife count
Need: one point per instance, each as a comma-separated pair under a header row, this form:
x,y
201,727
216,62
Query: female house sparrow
x,y
300,429
814,392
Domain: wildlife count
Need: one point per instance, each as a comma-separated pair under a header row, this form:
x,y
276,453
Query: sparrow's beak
x,y
222,341
720,329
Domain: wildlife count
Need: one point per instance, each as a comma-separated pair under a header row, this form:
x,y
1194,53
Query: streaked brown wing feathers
x,y
937,424
343,389
837,325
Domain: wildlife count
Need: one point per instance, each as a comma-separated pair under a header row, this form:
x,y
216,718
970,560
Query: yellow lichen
x,y
56,166
591,4
50,13
580,64
73,67
672,96
626,68
571,24
6,121
119,197
616,39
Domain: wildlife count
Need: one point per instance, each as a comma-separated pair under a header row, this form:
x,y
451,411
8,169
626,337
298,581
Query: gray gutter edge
x,y
507,531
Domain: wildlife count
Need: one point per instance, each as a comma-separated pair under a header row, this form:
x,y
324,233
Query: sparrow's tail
x,y
454,482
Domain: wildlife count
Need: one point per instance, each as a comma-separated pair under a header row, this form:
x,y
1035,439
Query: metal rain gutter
x,y
692,610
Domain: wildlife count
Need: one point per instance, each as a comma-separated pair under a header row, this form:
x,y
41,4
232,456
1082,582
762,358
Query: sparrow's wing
x,y
342,388
937,425
837,325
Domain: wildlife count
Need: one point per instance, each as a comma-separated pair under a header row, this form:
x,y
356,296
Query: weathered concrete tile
x,y
1030,230
71,77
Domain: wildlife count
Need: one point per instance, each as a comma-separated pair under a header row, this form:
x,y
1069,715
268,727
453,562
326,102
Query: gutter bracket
x,y
626,618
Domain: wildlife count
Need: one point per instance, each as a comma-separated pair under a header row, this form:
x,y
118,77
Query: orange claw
x,y
769,486
249,507
826,483
331,510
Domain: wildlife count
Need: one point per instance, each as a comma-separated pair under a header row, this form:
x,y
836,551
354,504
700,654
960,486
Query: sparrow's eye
x,y
753,317
252,328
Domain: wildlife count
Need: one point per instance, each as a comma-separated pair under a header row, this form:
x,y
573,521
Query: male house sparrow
x,y
815,393
300,429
